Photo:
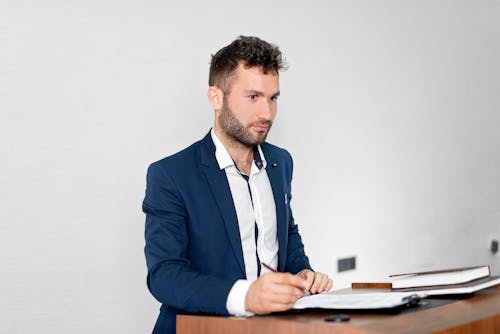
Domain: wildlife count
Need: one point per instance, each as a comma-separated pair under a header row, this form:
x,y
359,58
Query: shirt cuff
x,y
235,302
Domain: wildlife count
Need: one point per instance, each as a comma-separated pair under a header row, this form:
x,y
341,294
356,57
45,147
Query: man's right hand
x,y
274,292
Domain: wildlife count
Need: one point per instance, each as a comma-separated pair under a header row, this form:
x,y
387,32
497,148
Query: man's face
x,y
249,109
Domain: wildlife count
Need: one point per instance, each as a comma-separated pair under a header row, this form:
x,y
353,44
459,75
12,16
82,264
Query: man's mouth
x,y
261,127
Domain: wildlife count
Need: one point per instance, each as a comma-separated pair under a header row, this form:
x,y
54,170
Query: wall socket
x,y
494,246
347,263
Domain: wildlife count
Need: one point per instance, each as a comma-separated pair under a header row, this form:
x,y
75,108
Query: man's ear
x,y
215,97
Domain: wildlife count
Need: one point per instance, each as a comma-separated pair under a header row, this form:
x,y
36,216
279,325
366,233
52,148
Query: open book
x,y
358,301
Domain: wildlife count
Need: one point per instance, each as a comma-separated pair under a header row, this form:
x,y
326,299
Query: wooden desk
x,y
477,314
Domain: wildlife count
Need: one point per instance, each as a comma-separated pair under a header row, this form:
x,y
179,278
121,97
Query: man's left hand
x,y
316,282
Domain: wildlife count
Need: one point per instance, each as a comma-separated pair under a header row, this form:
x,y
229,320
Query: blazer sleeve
x,y
170,277
296,257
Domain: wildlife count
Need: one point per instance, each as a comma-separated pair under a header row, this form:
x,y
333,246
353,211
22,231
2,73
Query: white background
x,y
391,110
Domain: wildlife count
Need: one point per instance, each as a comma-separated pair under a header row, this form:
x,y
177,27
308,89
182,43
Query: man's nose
x,y
267,109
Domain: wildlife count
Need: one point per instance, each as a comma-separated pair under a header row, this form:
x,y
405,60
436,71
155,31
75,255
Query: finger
x,y
284,298
309,279
302,273
324,283
329,285
282,284
289,279
318,279
287,290
308,276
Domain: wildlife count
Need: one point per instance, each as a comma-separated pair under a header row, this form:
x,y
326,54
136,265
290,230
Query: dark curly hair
x,y
252,51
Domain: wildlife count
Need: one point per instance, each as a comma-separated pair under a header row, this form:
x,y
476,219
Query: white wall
x,y
390,109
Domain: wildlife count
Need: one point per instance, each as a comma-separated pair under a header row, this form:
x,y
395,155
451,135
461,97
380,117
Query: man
x,y
218,217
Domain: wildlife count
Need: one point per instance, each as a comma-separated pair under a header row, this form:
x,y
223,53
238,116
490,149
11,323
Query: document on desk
x,y
357,301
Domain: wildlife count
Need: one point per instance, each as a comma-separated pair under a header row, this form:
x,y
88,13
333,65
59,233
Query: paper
x,y
465,288
355,301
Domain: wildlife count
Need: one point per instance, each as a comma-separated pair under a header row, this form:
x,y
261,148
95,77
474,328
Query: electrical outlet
x,y
494,246
348,263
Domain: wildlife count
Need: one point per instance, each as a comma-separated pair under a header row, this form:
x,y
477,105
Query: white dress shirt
x,y
254,204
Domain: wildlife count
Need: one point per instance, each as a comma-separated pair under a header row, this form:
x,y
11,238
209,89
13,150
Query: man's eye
x,y
274,98
252,97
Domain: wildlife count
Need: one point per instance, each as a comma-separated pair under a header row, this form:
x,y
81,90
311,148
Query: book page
x,y
357,301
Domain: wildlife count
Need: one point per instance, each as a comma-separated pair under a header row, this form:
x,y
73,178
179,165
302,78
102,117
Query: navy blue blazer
x,y
193,247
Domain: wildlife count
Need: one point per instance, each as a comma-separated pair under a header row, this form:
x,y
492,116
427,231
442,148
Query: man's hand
x,y
316,282
274,292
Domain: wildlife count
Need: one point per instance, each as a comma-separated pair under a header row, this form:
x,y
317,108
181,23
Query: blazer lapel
x,y
275,174
219,185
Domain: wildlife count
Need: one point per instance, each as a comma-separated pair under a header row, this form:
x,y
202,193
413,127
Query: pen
x,y
307,292
269,267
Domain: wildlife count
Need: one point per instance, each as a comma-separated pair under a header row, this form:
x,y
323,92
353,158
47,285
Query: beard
x,y
238,132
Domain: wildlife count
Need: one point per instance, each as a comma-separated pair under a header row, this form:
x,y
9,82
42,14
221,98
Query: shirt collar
x,y
224,158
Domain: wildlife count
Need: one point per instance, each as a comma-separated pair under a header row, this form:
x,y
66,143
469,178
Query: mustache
x,y
263,122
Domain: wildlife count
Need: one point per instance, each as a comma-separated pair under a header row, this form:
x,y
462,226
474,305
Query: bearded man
x,y
220,234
